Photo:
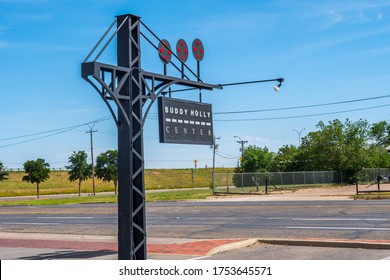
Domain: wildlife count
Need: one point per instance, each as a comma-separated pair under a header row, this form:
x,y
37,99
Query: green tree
x,y
37,171
378,157
79,169
107,167
287,159
380,133
3,174
337,146
257,159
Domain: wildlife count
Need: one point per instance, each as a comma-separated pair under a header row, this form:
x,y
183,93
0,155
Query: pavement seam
x,y
364,244
232,246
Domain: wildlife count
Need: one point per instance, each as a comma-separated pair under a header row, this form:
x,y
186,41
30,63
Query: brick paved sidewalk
x,y
194,248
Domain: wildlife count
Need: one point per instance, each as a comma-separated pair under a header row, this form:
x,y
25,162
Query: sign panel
x,y
185,122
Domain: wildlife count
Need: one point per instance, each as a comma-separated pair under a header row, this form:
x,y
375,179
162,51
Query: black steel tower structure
x,y
131,89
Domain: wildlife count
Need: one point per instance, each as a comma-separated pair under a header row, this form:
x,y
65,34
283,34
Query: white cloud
x,y
262,141
323,16
307,49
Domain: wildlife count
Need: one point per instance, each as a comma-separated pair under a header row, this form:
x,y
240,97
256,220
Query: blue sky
x,y
327,51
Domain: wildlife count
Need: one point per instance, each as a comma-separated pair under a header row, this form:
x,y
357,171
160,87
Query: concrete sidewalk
x,y
57,246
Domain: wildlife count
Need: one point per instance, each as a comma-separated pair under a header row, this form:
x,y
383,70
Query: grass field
x,y
156,196
58,183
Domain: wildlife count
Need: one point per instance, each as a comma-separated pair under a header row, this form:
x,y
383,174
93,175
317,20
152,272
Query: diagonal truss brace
x,y
108,80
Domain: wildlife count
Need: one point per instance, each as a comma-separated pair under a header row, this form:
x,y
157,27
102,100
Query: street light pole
x,y
299,135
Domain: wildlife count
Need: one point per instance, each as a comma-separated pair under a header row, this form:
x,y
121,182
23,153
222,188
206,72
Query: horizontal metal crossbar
x,y
179,81
94,68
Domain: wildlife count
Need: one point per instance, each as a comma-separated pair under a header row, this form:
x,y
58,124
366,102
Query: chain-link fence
x,y
370,174
272,181
21,169
374,180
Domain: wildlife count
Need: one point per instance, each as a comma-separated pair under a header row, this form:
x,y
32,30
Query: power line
x,y
38,133
51,133
226,157
57,129
296,116
303,106
66,129
302,116
295,107
37,138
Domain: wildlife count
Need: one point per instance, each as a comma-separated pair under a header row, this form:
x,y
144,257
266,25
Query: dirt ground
x,y
324,193
337,191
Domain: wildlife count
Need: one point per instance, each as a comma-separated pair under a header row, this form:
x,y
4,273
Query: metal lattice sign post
x,y
132,89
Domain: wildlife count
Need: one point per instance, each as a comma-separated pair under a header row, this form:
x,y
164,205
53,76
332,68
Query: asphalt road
x,y
291,219
346,219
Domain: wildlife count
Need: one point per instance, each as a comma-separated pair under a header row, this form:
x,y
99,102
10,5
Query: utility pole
x,y
93,169
215,147
242,142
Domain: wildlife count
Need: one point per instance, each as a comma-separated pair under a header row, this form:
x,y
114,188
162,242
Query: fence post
x,y
357,187
227,181
266,185
293,178
242,182
379,183
281,178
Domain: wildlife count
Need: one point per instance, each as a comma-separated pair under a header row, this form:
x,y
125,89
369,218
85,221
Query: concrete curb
x,y
339,243
58,237
232,246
